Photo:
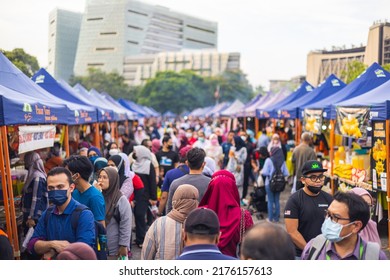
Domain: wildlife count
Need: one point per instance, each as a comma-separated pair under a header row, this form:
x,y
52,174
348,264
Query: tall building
x,y
139,68
320,64
64,29
112,30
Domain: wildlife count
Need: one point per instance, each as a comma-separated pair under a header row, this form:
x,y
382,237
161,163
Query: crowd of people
x,y
184,191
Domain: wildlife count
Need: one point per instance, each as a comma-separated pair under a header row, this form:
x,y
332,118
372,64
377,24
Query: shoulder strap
x,y
76,215
372,251
182,169
242,224
316,247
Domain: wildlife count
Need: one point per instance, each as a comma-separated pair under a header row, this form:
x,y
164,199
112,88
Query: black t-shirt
x,y
167,160
310,212
6,251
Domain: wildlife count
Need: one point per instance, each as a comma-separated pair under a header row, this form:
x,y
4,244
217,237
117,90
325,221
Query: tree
x,y
354,69
234,85
111,83
386,67
26,63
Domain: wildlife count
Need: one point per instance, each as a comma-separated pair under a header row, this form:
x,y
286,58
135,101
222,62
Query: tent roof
x,y
11,77
371,78
232,109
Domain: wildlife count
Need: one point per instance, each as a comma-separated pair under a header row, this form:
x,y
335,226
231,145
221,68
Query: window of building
x,y
108,33
92,19
137,13
135,27
132,42
200,42
201,29
95,64
105,49
53,21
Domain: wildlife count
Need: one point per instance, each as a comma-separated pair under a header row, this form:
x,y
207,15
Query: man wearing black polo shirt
x,y
167,159
305,209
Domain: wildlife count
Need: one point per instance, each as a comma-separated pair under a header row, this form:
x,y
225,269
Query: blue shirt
x,y
172,175
203,252
94,200
59,226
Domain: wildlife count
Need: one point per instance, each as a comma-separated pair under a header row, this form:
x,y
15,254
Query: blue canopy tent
x,y
67,93
131,115
149,111
249,109
17,108
232,109
217,108
327,88
132,107
278,97
11,77
169,115
371,78
272,111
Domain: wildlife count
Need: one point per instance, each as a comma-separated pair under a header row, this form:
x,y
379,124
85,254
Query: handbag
x,y
242,232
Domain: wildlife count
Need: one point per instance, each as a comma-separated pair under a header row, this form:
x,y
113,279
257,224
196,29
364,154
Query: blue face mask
x,y
332,230
93,158
58,197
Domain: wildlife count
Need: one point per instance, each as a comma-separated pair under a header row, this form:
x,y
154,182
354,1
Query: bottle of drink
x,y
102,245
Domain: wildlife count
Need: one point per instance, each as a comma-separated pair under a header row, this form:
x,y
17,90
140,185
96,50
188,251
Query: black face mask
x,y
314,190
170,147
134,156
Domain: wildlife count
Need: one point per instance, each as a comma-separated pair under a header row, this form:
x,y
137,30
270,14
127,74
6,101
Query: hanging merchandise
x,y
312,120
378,155
352,122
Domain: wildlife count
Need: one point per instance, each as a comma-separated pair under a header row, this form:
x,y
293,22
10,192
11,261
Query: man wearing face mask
x,y
167,158
304,211
51,236
346,216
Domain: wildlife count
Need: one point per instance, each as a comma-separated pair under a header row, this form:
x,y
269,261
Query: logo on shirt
x,y
165,161
287,212
323,205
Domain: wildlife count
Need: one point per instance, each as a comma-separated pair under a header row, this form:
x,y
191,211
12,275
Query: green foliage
x,y
28,64
112,83
354,69
386,67
185,91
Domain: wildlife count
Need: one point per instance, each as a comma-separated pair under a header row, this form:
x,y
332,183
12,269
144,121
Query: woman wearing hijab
x,y
275,161
163,241
144,168
118,214
222,197
370,231
98,164
156,145
34,194
237,158
214,151
125,182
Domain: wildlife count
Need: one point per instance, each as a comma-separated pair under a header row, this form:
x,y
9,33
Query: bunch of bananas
x,y
311,125
350,127
379,167
343,171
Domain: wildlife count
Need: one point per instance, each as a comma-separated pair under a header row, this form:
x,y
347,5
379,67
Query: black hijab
x,y
277,157
120,164
239,143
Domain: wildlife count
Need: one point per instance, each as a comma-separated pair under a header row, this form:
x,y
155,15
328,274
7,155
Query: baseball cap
x,y
202,221
312,166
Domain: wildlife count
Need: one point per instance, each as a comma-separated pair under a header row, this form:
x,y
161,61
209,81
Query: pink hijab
x,y
222,197
370,231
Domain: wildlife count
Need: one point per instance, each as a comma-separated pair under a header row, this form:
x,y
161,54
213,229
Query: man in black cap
x,y
201,236
305,209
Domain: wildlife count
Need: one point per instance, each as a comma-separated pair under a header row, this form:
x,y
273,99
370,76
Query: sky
x,y
272,36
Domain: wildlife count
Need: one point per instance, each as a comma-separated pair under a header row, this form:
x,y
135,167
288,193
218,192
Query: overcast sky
x,y
273,36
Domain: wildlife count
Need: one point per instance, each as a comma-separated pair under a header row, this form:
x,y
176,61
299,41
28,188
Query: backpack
x,y
372,249
277,182
100,246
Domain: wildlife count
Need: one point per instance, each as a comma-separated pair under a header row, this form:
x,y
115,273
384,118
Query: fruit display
x,y
350,127
312,125
379,151
343,171
358,175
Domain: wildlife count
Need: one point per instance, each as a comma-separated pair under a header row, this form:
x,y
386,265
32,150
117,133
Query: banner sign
x,y
352,122
378,155
36,137
312,120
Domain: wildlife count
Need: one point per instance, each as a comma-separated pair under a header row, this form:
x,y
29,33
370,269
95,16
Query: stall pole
x,y
256,127
274,125
387,180
296,132
96,137
331,154
244,123
66,140
112,125
10,192
5,191
127,127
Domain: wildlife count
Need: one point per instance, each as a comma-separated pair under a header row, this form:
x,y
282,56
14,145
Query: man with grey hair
x,y
301,154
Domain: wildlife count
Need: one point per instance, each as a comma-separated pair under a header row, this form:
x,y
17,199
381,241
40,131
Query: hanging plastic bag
x,y
29,234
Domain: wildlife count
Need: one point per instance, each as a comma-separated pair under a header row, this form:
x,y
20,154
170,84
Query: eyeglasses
x,y
315,178
334,217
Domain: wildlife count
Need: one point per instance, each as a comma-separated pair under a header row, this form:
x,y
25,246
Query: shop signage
x,y
36,137
312,120
378,155
352,121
